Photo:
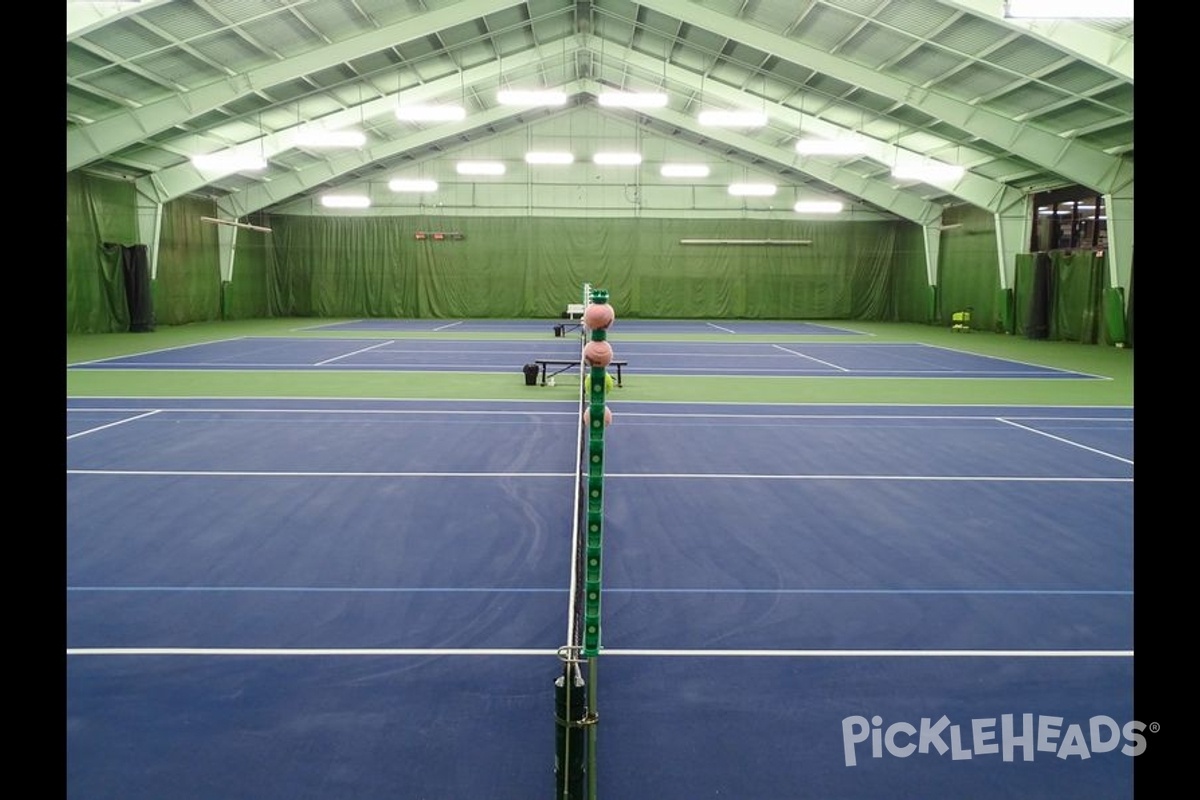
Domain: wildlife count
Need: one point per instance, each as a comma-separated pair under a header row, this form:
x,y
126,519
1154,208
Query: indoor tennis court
x,y
603,400
375,581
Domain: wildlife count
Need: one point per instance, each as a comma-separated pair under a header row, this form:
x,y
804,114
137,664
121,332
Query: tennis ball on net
x,y
610,382
598,316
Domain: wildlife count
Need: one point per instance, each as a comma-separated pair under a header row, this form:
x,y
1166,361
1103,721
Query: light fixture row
x,y
922,171
725,118
430,185
928,171
314,136
358,201
426,185
935,171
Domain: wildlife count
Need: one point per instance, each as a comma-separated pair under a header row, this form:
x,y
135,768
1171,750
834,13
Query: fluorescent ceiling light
x,y
752,189
733,119
617,159
829,147
229,161
684,170
928,172
633,99
518,97
1066,212
412,185
545,157
423,113
321,138
1065,209
480,168
1069,9
346,201
818,207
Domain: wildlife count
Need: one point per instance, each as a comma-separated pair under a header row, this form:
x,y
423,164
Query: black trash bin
x,y
531,374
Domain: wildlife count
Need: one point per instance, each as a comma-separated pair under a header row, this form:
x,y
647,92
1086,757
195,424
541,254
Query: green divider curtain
x,y
533,267
1060,295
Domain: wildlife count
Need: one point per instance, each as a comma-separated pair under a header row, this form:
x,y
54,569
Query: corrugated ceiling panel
x,y
920,19
1080,79
825,28
874,46
924,65
1017,104
338,20
973,82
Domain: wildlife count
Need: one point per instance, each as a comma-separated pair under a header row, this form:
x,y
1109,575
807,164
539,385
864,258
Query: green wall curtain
x,y
533,267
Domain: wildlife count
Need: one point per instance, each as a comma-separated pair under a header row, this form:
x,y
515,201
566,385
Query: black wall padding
x,y
135,263
1037,326
1129,310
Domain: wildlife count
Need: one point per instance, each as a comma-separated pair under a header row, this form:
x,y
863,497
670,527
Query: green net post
x,y
575,697
595,495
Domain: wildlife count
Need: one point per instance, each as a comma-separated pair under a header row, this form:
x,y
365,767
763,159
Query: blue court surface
x,y
739,359
364,599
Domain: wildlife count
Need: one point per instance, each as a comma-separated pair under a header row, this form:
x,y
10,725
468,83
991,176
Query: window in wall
x,y
1069,219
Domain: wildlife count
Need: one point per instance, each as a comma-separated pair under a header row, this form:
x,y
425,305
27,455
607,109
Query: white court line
x,y
451,325
1066,441
395,590
718,327
157,350
273,474
353,353
413,411
1003,358
113,424
508,651
883,417
810,358
624,414
724,476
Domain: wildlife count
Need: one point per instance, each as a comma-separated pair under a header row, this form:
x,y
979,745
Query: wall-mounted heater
x,y
760,242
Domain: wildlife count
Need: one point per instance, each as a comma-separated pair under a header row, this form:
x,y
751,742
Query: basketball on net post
x,y
598,316
598,353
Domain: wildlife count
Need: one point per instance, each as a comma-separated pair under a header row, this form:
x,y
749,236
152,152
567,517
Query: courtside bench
x,y
561,365
574,313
